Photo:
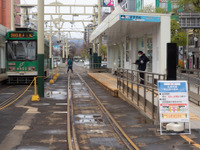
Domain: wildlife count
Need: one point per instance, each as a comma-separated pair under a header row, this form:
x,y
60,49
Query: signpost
x,y
173,103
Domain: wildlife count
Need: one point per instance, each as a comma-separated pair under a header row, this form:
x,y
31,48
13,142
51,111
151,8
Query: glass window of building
x,y
149,52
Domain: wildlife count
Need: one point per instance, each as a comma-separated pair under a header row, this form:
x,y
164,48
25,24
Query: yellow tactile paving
x,y
105,80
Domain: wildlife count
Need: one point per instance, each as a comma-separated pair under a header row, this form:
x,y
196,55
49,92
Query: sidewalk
x,y
110,82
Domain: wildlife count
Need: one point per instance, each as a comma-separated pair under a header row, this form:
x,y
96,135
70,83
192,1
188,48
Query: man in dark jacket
x,y
142,63
70,65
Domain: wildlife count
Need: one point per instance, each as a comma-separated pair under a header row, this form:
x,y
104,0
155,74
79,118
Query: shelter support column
x,y
40,43
164,39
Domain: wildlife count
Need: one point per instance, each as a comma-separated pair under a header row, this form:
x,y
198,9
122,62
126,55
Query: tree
x,y
85,53
104,51
151,9
178,35
190,5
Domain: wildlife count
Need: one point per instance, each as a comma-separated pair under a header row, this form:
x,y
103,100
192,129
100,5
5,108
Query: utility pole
x,y
63,52
50,47
99,22
40,44
23,17
94,21
12,17
67,50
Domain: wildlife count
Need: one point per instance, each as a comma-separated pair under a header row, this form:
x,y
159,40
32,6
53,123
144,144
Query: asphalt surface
x,y
28,125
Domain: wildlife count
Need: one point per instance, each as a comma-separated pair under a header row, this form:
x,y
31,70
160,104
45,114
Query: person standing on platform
x,y
70,65
142,63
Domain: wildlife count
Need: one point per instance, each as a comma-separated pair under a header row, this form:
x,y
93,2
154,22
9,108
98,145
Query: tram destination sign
x,y
20,35
173,101
139,18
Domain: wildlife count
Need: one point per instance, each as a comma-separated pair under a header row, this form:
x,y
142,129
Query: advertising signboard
x,y
173,101
174,107
107,3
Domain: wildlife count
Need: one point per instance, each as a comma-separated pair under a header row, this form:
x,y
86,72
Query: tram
x,y
21,51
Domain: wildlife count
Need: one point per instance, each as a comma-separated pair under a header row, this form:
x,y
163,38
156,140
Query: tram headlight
x,y
13,68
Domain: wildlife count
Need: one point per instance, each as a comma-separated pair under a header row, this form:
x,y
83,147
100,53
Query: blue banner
x,y
168,87
139,18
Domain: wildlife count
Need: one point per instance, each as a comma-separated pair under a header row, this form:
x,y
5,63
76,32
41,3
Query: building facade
x,y
5,14
87,33
135,5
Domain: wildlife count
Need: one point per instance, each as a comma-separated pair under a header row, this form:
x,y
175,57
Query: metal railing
x,y
97,67
138,90
193,78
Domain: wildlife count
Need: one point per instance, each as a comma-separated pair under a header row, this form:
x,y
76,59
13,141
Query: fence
x,y
98,67
193,78
138,90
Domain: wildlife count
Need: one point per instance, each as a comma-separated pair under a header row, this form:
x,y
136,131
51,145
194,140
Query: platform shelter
x,y
126,33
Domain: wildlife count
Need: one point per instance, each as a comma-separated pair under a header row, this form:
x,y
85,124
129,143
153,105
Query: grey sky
x,y
67,26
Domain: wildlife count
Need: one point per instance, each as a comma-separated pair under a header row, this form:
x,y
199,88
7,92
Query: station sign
x,y
107,3
139,18
173,101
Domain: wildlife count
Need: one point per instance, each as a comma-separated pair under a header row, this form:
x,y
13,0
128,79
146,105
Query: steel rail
x,y
110,116
18,96
8,100
69,137
5,88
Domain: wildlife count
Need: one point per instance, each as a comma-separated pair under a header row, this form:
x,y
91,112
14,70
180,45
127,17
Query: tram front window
x,y
21,50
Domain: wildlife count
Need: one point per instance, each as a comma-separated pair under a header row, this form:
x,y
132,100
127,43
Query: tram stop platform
x,y
109,82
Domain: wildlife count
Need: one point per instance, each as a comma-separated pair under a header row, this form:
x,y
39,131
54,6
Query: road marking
x,y
190,141
60,112
7,93
21,127
60,104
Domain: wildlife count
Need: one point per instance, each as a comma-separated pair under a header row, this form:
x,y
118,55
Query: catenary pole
x,y
12,17
40,43
99,22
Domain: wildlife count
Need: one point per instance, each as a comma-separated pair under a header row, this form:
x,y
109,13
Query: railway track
x,y
89,122
14,97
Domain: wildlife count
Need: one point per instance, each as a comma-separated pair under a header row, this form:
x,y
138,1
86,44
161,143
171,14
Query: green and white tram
x,y
21,50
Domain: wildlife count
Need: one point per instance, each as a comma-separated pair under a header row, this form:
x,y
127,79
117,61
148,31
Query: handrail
x,y
129,83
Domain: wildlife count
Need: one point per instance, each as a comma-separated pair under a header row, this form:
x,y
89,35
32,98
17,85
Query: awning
x,y
119,24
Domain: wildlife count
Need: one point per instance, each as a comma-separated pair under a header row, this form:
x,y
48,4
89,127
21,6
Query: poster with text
x,y
173,101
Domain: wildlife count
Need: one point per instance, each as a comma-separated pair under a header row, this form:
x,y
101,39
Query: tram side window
x,y
21,50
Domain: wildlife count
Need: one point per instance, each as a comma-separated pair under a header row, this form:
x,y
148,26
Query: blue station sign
x,y
139,18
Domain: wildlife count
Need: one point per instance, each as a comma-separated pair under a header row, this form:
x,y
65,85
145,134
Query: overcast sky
x,y
77,25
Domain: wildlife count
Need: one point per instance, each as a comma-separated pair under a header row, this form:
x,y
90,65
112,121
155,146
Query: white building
x,y
130,32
